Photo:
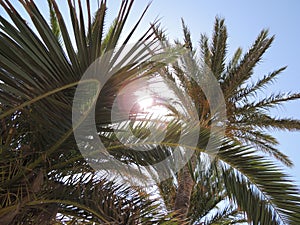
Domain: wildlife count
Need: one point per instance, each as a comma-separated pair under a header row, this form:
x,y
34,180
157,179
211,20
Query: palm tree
x,y
209,203
44,178
247,177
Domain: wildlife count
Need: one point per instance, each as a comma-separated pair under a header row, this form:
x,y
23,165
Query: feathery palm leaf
x,y
245,114
247,121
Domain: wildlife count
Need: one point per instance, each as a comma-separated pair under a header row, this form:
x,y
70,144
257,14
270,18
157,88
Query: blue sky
x,y
244,19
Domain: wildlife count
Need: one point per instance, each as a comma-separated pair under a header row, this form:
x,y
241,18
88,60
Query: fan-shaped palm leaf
x,y
40,68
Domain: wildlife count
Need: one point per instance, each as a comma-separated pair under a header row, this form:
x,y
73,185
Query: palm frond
x,y
239,74
258,181
53,21
270,101
39,75
187,36
226,216
219,48
258,86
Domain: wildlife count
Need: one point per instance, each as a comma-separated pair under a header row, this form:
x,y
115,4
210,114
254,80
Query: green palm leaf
x,y
39,74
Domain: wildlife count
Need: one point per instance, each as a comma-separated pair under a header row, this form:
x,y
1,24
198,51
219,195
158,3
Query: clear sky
x,y
244,19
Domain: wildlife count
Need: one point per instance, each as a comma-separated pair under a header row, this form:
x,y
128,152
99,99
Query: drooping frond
x,y
255,181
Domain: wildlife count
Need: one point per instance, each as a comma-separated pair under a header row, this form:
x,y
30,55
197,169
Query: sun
x,y
152,106
145,103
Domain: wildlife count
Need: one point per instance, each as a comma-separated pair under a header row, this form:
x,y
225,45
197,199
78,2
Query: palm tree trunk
x,y
184,191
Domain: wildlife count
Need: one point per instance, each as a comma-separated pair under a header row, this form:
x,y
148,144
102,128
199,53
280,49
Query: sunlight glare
x,y
145,103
